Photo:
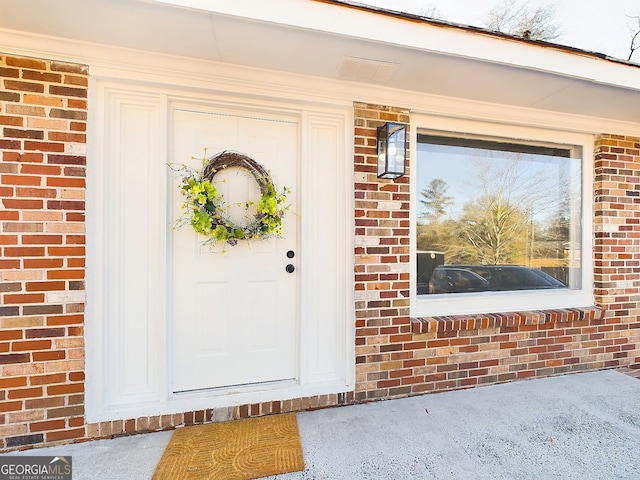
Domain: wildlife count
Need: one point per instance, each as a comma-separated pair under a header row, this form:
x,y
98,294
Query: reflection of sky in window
x,y
458,167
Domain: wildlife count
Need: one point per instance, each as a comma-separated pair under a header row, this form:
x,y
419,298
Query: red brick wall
x,y
43,112
383,330
398,356
617,243
465,351
168,422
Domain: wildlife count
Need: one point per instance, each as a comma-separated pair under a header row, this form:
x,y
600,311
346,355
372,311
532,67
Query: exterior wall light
x,y
392,150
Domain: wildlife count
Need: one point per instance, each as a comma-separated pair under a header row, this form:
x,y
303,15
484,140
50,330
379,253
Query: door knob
x,y
290,268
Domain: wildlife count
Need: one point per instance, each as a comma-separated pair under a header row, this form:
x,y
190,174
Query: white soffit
x,y
354,22
367,70
331,41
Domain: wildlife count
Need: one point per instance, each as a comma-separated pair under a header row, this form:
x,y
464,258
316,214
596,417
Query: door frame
x,y
326,348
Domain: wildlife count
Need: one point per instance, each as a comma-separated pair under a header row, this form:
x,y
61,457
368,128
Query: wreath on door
x,y
205,209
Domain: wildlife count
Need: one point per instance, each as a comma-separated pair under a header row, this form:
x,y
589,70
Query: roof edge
x,y
479,30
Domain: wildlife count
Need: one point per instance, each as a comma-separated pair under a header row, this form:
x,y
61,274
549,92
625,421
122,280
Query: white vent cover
x,y
367,70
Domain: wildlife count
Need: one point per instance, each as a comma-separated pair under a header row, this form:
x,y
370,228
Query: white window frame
x,y
495,302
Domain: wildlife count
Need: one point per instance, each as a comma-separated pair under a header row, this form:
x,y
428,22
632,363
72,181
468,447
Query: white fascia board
x,y
447,40
167,71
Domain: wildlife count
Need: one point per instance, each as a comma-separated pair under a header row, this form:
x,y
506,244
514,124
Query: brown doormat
x,y
238,450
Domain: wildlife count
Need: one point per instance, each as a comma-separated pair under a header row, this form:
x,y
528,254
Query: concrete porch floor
x,y
582,426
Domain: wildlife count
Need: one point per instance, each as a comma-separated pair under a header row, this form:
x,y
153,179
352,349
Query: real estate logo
x,y
35,468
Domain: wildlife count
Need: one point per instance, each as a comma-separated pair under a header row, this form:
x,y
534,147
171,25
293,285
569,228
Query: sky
x,y
458,167
593,25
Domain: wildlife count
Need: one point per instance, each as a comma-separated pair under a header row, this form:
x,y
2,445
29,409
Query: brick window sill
x,y
455,323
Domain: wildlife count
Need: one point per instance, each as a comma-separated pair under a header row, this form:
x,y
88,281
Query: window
x,y
498,223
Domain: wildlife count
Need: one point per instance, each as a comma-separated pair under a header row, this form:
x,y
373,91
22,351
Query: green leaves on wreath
x,y
204,207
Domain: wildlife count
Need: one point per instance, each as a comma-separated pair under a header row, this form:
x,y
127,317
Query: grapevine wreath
x,y
204,207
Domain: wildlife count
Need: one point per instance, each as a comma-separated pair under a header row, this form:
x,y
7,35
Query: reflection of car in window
x,y
457,279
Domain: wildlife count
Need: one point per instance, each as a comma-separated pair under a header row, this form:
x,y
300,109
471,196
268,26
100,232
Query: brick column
x,y
43,112
617,244
383,333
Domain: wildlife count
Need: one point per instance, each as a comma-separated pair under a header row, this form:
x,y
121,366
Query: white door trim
x,y
128,128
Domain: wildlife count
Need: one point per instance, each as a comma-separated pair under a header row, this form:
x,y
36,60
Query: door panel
x,y
234,314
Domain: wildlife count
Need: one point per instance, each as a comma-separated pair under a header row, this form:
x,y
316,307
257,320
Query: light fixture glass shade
x,y
392,150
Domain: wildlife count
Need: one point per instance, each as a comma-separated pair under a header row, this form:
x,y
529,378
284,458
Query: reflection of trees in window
x,y
495,229
518,213
436,201
513,192
432,232
553,238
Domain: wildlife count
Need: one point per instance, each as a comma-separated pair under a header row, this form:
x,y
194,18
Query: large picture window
x,y
496,216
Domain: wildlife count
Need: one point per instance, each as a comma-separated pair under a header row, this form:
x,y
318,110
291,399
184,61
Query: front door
x,y
234,314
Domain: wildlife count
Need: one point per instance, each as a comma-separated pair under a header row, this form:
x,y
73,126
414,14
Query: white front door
x,y
234,314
